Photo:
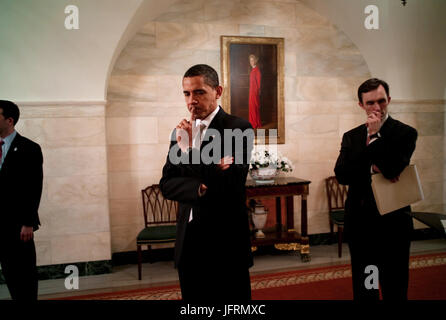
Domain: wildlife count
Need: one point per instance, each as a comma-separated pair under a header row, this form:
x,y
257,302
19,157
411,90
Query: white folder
x,y
391,196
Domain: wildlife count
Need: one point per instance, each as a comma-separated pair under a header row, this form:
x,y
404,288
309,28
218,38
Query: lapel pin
x,y
15,149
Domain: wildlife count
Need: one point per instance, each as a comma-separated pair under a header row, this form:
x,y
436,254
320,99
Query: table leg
x,y
278,214
305,243
289,213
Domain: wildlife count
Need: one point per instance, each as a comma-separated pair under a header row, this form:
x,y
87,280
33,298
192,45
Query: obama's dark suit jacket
x,y
378,240
213,251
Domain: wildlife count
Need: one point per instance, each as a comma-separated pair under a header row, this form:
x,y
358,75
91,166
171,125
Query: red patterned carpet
x,y
427,281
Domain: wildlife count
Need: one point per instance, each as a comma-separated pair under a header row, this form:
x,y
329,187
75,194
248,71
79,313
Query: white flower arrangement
x,y
266,158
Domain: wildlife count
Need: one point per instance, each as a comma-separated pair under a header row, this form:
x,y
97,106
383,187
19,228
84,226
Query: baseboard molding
x,y
57,271
417,235
166,254
426,234
131,257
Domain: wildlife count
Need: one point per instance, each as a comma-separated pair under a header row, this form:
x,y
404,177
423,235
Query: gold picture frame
x,y
255,95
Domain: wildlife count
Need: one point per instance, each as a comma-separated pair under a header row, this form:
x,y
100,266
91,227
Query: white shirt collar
x,y
207,121
8,139
387,116
5,148
382,123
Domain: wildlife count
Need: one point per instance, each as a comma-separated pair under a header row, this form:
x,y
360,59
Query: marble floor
x,y
163,273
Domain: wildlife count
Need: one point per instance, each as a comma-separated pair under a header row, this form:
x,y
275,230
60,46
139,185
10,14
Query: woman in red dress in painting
x,y
254,93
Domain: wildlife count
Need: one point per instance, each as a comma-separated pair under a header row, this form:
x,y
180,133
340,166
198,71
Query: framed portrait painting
x,y
253,81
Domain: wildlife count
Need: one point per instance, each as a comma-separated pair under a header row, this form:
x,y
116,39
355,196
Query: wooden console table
x,y
285,236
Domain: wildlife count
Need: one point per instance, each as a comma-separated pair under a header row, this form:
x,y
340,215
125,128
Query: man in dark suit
x,y
381,145
206,173
20,191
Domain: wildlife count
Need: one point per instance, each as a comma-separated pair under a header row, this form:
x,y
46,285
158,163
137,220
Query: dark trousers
x,y
18,261
384,242
206,277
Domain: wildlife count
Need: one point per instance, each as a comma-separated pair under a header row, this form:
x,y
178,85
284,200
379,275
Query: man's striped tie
x,y
1,151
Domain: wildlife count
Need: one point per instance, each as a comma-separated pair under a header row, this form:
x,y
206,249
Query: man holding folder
x,y
381,145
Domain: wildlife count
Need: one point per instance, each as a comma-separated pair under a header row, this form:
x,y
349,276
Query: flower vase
x,y
264,175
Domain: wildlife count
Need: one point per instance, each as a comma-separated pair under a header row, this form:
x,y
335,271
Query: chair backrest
x,y
336,193
157,209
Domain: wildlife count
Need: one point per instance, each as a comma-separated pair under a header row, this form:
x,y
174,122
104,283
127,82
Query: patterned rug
x,y
427,281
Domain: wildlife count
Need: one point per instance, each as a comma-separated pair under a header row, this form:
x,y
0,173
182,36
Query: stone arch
x,y
322,71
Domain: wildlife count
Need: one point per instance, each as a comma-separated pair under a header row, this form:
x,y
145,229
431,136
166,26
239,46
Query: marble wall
x,y
99,155
74,207
323,69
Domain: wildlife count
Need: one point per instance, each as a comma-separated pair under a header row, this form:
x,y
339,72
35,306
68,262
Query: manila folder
x,y
391,196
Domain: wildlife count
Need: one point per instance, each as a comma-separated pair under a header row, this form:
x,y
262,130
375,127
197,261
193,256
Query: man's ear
x,y
361,105
388,99
219,90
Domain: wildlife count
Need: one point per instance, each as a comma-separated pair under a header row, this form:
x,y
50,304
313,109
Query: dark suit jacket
x,y
220,215
391,154
21,185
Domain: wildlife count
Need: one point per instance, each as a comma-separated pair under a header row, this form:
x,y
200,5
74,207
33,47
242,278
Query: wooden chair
x,y
160,216
336,195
